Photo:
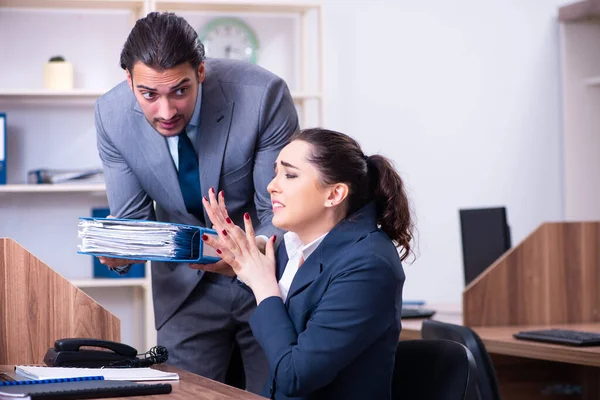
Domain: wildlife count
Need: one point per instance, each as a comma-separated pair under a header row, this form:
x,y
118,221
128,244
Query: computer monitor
x,y
485,237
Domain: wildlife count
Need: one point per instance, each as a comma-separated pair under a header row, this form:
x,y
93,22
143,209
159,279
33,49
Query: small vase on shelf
x,y
58,74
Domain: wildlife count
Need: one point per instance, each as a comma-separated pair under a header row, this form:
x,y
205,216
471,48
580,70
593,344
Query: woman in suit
x,y
329,298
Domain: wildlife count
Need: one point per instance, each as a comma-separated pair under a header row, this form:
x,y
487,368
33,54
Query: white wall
x,y
464,96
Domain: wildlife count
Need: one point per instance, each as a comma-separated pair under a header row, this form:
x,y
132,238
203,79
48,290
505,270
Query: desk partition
x,y
551,277
38,306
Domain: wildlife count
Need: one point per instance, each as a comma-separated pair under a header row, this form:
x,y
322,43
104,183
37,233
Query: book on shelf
x,y
145,240
56,176
3,149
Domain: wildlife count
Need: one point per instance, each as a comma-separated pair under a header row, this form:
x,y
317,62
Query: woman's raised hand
x,y
237,247
215,208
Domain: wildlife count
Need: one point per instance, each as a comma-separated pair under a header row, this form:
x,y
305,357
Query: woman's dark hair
x,y
339,159
162,41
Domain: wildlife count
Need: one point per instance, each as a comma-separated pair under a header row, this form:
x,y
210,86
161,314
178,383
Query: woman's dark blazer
x,y
335,337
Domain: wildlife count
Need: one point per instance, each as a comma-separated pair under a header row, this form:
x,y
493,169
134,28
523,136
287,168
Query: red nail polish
x,y
204,197
222,193
228,220
219,251
212,189
274,238
247,216
204,237
224,232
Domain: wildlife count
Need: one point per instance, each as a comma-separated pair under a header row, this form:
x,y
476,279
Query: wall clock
x,y
229,38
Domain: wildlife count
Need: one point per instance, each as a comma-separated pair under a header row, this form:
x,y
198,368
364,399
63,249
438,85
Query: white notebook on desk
x,y
112,374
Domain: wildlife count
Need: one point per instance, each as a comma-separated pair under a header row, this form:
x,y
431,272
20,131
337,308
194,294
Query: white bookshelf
x,y
306,96
234,6
56,188
48,93
109,282
595,81
33,94
66,4
263,6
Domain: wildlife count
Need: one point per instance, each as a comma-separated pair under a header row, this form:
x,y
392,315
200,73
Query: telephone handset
x,y
76,344
69,353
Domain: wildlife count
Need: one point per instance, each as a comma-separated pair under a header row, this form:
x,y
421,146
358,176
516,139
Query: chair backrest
x,y
487,383
434,370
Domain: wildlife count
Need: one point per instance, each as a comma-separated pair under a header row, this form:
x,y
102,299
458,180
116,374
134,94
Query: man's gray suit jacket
x,y
247,115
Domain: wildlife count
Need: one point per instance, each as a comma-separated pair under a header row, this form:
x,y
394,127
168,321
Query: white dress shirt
x,y
297,251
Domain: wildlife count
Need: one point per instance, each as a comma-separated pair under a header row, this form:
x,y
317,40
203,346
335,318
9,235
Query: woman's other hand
x,y
238,248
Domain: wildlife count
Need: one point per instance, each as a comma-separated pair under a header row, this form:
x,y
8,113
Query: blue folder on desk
x,y
72,389
145,240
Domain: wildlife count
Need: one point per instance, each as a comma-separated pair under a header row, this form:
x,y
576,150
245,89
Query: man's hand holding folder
x,y
113,263
221,267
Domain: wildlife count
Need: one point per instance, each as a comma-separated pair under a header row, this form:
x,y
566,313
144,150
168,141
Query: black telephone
x,y
69,353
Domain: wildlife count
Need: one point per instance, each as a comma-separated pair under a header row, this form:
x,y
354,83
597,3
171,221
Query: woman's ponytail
x,y
393,208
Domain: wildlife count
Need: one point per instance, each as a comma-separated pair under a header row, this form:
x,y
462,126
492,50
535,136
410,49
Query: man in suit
x,y
178,127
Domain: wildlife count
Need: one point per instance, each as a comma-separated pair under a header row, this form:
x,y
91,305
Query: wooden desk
x,y
531,370
189,386
452,314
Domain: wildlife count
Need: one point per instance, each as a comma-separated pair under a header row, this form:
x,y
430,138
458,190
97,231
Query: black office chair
x,y
434,370
487,384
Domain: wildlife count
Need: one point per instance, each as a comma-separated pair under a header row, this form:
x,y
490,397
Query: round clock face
x,y
229,38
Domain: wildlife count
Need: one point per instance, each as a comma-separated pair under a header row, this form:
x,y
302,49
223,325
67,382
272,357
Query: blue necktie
x,y
189,176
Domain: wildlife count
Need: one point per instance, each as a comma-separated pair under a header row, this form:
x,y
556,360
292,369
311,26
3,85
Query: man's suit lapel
x,y
215,120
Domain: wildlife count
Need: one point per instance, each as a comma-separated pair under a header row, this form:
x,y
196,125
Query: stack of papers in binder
x,y
145,240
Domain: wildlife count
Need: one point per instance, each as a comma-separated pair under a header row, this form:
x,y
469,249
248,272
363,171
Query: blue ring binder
x,y
59,380
181,243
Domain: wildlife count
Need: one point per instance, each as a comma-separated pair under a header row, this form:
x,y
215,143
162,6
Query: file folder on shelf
x,y
145,240
56,176
3,151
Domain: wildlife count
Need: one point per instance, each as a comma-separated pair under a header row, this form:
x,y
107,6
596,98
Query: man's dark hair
x,y
162,41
